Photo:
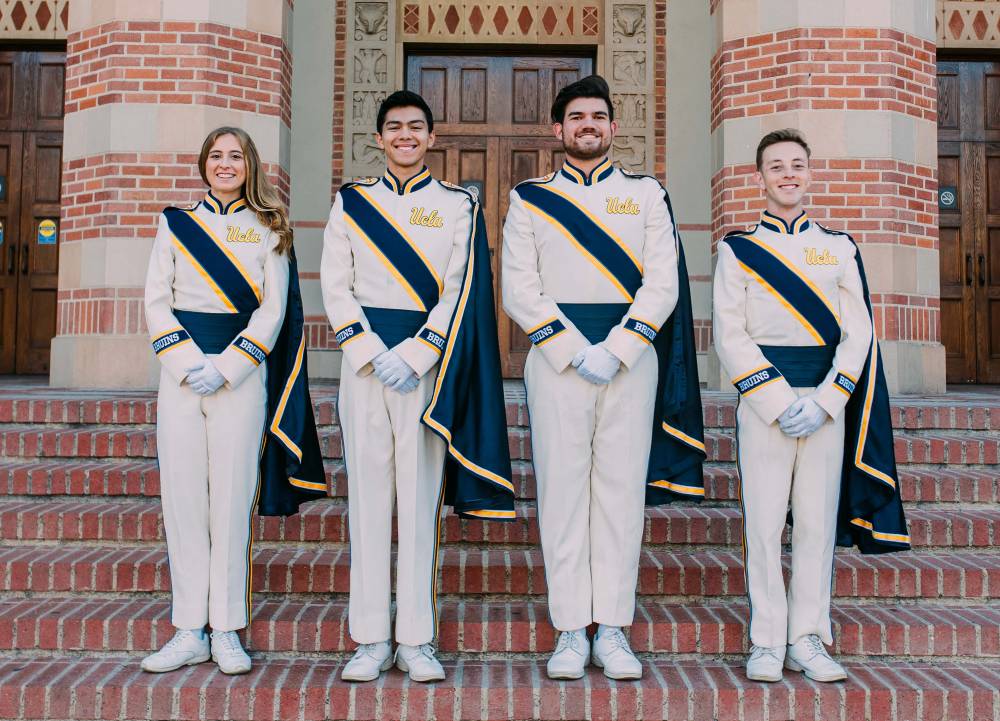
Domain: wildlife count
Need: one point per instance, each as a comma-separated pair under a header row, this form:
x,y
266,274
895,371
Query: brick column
x,y
145,82
858,78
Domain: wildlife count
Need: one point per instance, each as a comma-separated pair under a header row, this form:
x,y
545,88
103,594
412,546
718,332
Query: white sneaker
x,y
809,655
614,655
765,663
570,655
420,662
229,654
368,662
186,648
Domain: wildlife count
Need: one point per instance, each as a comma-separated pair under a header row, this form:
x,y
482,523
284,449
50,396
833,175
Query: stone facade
x,y
697,84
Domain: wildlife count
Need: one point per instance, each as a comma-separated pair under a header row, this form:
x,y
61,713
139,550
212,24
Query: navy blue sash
x,y
787,283
585,231
804,366
594,320
394,326
395,248
235,290
212,332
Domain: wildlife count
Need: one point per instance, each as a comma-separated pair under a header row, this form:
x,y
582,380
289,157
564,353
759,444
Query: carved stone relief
x,y
629,67
370,66
630,152
364,150
366,104
629,23
371,21
630,110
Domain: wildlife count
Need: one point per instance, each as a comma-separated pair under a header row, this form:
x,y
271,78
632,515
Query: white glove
x,y
394,373
596,364
803,418
205,380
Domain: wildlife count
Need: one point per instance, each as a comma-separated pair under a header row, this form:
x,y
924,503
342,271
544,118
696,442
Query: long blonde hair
x,y
261,195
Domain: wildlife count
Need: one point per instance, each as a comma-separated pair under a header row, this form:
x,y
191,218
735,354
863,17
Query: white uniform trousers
x,y
209,452
773,469
391,456
590,448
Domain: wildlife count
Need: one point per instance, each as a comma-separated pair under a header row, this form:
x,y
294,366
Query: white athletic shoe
x,y
765,663
570,656
614,655
368,662
420,662
229,654
809,655
186,648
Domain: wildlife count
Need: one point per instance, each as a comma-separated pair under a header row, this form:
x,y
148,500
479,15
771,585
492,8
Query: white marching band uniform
x,y
209,446
596,251
755,321
394,256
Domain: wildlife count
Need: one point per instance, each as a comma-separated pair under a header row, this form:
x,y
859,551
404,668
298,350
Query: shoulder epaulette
x,y
474,197
734,233
538,181
361,181
633,174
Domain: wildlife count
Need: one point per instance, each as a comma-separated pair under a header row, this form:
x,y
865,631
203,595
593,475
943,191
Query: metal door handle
x,y
968,269
24,259
982,269
11,251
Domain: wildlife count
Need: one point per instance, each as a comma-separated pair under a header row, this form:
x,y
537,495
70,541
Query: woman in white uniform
x,y
216,298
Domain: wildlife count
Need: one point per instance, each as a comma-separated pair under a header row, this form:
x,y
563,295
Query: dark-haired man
x,y
407,288
591,273
794,331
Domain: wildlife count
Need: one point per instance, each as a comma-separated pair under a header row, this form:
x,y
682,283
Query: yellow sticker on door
x,y
47,232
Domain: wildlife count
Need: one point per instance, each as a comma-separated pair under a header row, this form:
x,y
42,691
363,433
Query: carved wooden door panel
x,y
31,112
491,120
969,225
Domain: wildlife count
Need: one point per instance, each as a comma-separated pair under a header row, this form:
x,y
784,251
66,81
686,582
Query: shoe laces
x,y
815,645
229,641
759,651
617,640
179,638
428,650
568,639
368,649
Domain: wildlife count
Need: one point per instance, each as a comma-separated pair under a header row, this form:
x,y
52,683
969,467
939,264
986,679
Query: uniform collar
x,y
216,206
412,185
778,225
602,171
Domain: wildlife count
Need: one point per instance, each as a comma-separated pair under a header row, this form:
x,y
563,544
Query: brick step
x,y
326,521
498,690
953,411
112,477
473,626
469,571
108,441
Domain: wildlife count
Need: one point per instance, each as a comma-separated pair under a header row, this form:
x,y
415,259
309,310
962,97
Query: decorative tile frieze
x,y
33,19
527,21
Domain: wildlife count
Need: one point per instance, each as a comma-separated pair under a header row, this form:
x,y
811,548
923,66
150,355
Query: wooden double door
x,y
31,122
493,130
969,200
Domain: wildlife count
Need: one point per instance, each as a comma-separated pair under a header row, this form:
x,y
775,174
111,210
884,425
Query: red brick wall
x,y
875,200
116,195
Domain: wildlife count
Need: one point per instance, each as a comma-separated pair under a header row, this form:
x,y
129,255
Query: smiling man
x,y
592,271
407,287
793,329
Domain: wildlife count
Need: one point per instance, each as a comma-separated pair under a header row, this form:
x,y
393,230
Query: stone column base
x,y
105,361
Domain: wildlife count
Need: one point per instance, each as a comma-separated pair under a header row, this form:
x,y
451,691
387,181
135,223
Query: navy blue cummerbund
x,y
212,332
804,366
394,326
594,320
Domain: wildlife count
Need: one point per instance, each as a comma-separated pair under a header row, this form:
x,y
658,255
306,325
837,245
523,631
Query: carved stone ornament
x,y
629,67
366,104
630,152
630,109
364,150
629,23
371,21
370,66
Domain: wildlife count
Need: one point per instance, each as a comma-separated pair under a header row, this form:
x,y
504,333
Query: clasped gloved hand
x,y
394,373
596,364
205,380
803,418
